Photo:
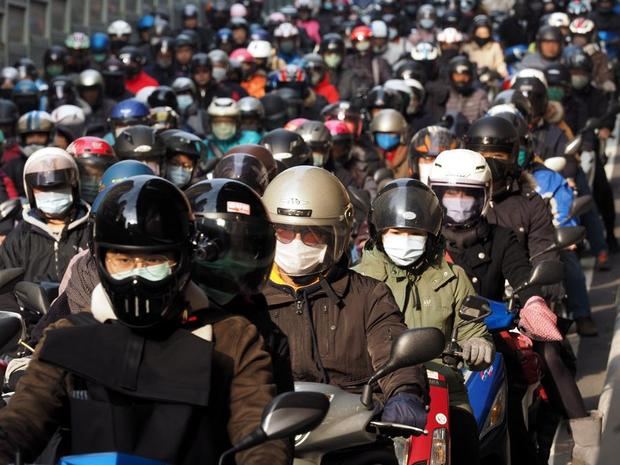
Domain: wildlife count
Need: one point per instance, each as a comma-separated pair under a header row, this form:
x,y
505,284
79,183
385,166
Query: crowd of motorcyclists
x,y
258,198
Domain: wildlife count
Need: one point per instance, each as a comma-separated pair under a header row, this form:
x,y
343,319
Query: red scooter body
x,y
421,448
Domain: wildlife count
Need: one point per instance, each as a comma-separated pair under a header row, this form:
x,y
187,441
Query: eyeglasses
x,y
117,263
309,236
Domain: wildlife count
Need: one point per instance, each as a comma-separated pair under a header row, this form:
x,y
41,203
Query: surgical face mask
x,y
54,203
481,41
224,131
54,70
315,77
89,188
184,101
287,46
379,49
555,94
30,149
297,258
332,60
522,158
219,74
404,249
150,273
362,46
318,159
179,176
459,209
579,81
387,140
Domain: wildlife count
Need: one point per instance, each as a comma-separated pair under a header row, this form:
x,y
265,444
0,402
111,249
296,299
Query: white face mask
x,y
219,73
404,249
54,203
184,101
459,209
224,131
150,273
297,258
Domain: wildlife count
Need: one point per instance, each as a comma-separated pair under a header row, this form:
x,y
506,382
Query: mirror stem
x,y
367,395
256,437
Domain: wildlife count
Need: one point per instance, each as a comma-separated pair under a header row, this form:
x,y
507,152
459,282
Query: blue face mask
x,y
54,203
89,188
184,101
387,140
150,273
178,175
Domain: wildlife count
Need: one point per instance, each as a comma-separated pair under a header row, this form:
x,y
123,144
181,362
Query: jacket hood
x,y
82,219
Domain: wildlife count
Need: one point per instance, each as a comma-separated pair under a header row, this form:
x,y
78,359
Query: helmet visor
x,y
462,205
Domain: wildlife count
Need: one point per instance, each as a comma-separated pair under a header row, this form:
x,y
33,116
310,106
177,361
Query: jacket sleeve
x,y
541,232
251,390
12,249
384,322
516,267
36,408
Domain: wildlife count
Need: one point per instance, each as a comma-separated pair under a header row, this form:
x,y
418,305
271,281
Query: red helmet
x,y
339,130
292,73
241,55
360,33
294,124
88,146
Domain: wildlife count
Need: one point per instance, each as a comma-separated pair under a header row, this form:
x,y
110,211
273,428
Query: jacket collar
x,y
29,218
437,275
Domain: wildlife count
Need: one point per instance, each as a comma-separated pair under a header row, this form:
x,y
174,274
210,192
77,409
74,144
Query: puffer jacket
x,y
340,330
240,386
472,106
432,297
43,253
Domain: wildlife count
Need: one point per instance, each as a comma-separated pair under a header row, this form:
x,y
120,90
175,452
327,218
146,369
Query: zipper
x,y
299,304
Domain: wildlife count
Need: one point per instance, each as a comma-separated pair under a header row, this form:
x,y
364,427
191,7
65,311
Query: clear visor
x,y
462,205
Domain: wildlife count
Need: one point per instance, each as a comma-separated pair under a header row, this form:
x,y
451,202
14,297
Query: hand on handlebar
x,y
477,353
538,322
405,408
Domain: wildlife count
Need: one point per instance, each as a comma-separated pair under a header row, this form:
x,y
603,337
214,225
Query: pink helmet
x,y
238,10
294,124
241,55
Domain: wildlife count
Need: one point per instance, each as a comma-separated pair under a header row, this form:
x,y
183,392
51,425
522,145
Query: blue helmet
x,y
146,22
259,34
129,112
25,87
99,43
224,34
122,170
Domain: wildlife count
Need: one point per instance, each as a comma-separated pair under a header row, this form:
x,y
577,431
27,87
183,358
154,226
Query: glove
x,y
477,353
405,408
538,322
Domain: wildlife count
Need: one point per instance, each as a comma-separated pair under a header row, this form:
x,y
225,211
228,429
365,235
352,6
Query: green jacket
x,y
432,298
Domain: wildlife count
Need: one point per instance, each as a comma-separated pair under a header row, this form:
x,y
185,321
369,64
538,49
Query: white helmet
x,y
462,181
530,73
223,106
285,30
119,28
68,115
450,35
238,10
260,49
379,29
558,19
143,94
309,4
425,51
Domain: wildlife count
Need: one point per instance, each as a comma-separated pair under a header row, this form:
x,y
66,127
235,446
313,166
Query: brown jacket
x,y
241,387
354,320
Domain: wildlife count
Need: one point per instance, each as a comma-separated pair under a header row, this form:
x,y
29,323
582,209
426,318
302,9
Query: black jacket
x,y
34,247
527,214
491,254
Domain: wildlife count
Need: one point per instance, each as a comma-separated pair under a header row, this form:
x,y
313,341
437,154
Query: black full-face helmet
x,y
235,241
149,217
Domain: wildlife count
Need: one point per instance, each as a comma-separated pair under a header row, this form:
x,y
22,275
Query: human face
x,y
549,49
458,194
183,161
90,94
461,78
119,262
404,232
183,55
308,235
36,138
202,76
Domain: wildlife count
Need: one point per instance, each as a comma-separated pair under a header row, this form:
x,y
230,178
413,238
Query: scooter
x,y
287,415
352,432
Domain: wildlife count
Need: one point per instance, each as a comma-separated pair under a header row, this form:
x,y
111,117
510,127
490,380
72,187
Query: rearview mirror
x,y
569,235
556,164
547,272
32,297
474,308
9,207
573,146
287,415
11,331
411,347
582,204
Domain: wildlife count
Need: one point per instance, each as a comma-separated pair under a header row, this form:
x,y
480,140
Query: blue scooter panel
x,y
107,458
500,318
482,388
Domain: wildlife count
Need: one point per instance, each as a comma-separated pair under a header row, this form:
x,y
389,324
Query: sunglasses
x,y
309,236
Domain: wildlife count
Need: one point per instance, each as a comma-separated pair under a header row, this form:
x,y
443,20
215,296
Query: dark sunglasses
x,y
309,236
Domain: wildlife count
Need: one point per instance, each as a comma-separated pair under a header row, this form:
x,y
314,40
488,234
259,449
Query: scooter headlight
x,y
440,451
